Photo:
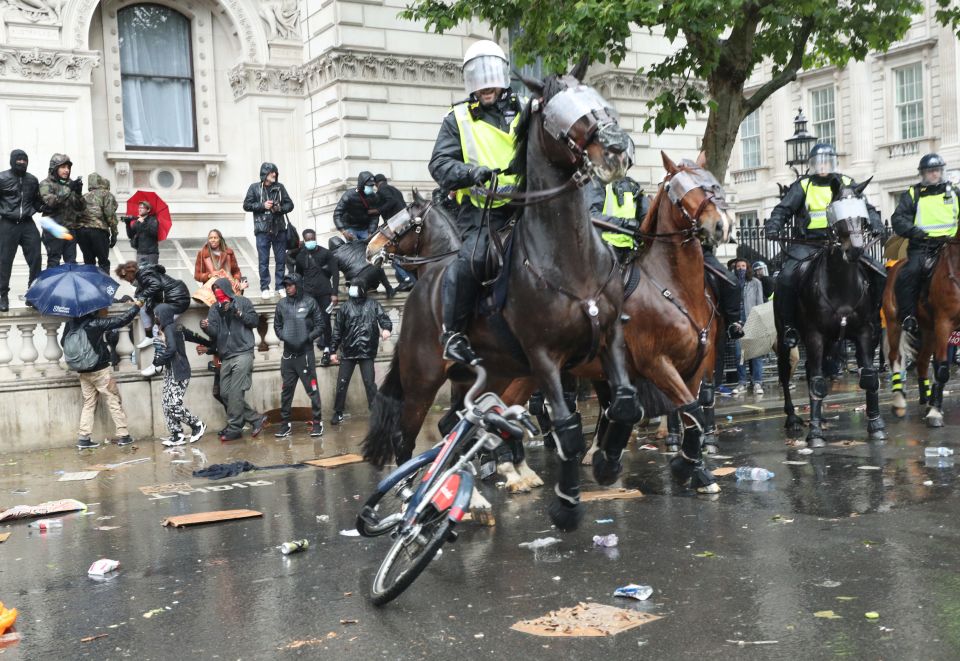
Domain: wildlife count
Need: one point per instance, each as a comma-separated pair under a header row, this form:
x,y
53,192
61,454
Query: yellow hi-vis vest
x,y
936,215
818,198
486,145
612,207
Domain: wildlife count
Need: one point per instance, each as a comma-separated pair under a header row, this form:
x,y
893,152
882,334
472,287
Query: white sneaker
x,y
281,293
196,435
151,370
175,440
757,389
145,343
266,294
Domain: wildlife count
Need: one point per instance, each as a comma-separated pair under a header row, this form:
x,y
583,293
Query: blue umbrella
x,y
72,290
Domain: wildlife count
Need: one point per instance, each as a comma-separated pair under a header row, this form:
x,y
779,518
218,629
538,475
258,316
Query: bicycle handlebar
x,y
494,422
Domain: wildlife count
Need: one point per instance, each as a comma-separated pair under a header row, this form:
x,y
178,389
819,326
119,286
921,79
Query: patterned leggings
x,y
174,412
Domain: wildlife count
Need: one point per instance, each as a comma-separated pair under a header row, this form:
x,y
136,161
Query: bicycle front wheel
x,y
409,556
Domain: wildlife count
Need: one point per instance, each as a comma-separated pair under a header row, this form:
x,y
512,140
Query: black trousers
x,y
22,235
303,369
59,250
95,246
346,374
323,302
910,280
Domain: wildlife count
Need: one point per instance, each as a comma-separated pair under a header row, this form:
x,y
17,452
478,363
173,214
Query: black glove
x,y
919,234
113,240
772,234
77,185
629,224
481,174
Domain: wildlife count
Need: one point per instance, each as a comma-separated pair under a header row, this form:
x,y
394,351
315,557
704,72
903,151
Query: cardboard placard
x,y
209,517
79,476
43,509
723,470
333,462
585,620
610,494
4,536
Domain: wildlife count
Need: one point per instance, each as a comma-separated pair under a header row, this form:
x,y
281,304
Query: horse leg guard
x,y
941,372
818,390
565,511
707,398
687,465
625,406
674,431
870,381
606,460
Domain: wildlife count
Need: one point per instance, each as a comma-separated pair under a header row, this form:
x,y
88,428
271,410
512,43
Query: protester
x,y
144,234
207,347
97,226
63,201
173,356
269,202
768,283
19,200
298,322
356,214
751,296
215,260
352,261
230,324
87,353
391,203
321,278
359,325
154,286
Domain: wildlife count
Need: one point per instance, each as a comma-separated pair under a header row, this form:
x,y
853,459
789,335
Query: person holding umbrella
x,y
143,230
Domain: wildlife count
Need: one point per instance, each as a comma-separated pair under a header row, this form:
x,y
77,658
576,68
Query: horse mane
x,y
551,86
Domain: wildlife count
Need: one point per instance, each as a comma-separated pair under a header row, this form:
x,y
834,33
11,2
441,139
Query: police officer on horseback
x,y
621,203
475,140
807,200
926,213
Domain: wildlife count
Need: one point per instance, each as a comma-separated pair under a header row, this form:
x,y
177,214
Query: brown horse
x,y
564,300
938,315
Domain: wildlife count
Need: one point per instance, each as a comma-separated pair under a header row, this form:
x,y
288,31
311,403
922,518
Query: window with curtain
x,y
156,71
750,141
824,115
909,101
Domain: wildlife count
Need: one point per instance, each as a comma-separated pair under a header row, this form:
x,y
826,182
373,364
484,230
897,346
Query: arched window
x,y
156,68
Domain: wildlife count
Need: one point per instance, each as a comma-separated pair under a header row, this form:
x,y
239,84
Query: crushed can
x,y
295,546
634,591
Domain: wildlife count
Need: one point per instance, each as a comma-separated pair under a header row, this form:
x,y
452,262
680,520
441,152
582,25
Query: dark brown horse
x,y
564,301
939,315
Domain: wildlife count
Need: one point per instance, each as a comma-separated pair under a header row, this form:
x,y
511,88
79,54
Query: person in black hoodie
x,y
19,200
352,260
173,356
321,278
356,214
269,202
392,203
359,325
154,286
298,322
98,381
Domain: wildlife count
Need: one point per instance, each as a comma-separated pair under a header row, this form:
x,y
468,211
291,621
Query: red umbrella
x,y
158,208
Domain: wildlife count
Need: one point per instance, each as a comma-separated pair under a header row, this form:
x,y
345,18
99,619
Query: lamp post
x,y
798,145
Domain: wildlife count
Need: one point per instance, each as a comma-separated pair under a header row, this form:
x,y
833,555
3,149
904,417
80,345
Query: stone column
x,y
125,349
52,350
6,373
28,352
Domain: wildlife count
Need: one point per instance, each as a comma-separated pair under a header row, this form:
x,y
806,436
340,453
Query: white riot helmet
x,y
485,65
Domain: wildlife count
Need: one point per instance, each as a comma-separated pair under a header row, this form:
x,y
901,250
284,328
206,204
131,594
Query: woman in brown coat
x,y
214,259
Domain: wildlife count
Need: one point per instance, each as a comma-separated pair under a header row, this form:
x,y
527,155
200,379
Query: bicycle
x,y
421,502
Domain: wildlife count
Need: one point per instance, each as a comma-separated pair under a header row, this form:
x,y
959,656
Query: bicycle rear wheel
x,y
409,556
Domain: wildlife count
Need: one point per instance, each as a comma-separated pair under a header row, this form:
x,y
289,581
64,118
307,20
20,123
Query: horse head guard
x,y
847,216
386,242
700,198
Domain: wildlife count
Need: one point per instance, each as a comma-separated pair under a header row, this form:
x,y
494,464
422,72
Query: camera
x,y
128,219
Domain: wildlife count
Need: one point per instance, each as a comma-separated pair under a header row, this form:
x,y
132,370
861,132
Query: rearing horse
x,y
564,300
835,304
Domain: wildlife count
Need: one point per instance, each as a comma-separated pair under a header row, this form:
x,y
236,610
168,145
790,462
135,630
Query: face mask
x,y
354,291
221,296
368,190
310,245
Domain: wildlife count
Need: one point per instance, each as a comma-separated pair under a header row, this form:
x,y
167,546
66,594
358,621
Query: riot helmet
x,y
822,159
485,66
931,170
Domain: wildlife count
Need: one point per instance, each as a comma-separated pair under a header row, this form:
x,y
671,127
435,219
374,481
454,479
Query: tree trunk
x,y
723,124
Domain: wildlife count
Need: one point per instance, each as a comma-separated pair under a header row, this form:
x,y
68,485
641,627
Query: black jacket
x,y
232,329
96,328
352,261
356,331
318,268
144,235
19,192
447,166
174,352
154,286
268,221
356,211
391,201
794,205
905,215
597,197
297,320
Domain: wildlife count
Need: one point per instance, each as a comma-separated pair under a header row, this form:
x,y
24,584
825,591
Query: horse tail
x,y
378,445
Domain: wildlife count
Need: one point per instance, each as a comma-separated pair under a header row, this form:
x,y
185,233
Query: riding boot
x,y
458,295
707,399
457,347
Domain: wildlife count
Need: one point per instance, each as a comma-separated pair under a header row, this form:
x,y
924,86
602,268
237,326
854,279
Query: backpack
x,y
79,354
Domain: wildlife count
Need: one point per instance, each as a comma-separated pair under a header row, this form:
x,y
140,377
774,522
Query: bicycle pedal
x,y
369,516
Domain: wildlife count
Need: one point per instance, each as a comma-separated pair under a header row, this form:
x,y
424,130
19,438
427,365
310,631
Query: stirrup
x,y
791,337
910,325
457,347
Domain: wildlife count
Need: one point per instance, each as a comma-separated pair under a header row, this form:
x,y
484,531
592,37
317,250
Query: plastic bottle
x,y
46,524
753,474
937,452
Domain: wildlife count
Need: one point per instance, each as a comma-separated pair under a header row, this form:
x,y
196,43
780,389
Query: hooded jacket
x,y
205,264
96,327
356,331
59,200
356,211
297,320
268,221
154,286
391,201
174,353
231,328
144,234
19,191
100,210
319,269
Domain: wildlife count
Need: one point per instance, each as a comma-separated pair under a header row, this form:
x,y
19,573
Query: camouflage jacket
x,y
101,206
60,202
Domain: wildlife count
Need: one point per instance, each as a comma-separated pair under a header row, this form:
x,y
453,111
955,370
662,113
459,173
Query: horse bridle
x,y
416,225
680,184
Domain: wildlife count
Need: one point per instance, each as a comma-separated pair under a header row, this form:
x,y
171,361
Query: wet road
x,y
850,529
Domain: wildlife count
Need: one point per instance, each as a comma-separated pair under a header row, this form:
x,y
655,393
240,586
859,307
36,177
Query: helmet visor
x,y
485,72
931,176
823,164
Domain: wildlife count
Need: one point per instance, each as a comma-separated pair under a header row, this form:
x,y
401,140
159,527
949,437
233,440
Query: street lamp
x,y
798,146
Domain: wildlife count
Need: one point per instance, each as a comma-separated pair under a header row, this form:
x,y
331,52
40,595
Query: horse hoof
x,y
704,481
563,515
483,517
709,488
518,487
899,412
606,471
878,435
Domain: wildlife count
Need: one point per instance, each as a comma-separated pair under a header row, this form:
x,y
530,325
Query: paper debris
x,y
723,470
585,619
540,543
4,536
333,462
92,638
868,468
610,494
350,532
209,517
43,509
165,488
76,477
871,615
828,615
102,567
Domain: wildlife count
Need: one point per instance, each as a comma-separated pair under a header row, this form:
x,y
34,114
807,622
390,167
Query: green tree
x,y
719,45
